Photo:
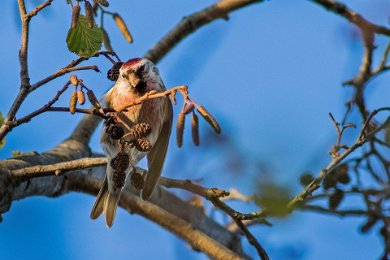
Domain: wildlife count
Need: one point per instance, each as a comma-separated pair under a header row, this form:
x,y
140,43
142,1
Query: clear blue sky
x,y
270,75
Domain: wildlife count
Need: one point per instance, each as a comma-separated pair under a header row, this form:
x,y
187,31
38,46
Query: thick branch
x,y
202,233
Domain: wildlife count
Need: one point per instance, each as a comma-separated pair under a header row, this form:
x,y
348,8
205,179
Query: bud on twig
x,y
73,102
180,129
75,15
209,118
122,27
195,129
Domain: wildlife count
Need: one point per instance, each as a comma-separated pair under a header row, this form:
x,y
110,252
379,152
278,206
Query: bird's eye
x,y
140,71
125,76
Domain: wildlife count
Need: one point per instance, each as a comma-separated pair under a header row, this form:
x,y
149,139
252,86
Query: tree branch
x,y
192,23
60,73
352,16
203,233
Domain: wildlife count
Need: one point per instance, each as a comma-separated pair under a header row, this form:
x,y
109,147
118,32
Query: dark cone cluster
x,y
119,179
115,131
137,181
120,162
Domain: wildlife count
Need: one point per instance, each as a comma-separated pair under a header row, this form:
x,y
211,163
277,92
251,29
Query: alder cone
x,y
137,181
120,162
119,179
140,130
143,145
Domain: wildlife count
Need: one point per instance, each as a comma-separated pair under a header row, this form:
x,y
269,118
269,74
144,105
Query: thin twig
x,y
352,16
60,73
252,240
214,195
341,213
39,8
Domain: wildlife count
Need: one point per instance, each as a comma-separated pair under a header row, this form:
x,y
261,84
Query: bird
x,y
137,77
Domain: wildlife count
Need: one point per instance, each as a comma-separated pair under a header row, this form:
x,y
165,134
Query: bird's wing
x,y
156,155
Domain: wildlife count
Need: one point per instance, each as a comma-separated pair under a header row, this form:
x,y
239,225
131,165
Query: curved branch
x,y
192,23
352,16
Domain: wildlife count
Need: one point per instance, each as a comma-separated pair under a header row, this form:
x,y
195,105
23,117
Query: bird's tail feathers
x,y
110,205
98,207
107,202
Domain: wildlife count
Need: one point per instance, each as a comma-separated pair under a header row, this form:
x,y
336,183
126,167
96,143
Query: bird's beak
x,y
133,80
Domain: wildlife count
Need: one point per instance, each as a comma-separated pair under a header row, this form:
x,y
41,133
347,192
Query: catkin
x,y
92,98
180,129
122,27
81,97
75,15
195,129
89,13
107,42
209,118
74,80
73,102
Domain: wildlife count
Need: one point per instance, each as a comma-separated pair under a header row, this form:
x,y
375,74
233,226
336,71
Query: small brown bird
x,y
136,77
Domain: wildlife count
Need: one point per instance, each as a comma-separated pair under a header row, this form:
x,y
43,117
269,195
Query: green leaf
x,y
2,142
83,40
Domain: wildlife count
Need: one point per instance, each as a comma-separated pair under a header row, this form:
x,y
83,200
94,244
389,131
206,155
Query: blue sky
x,y
270,75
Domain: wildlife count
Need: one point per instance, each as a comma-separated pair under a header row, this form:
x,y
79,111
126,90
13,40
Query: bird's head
x,y
140,75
